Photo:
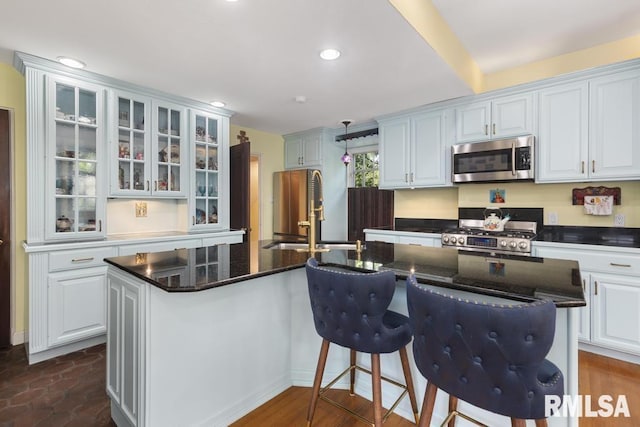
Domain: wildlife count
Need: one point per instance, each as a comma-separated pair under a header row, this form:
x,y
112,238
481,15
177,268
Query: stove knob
x,y
522,245
503,243
513,245
453,240
461,240
445,239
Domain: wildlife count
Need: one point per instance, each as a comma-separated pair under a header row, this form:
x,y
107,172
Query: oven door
x,y
500,160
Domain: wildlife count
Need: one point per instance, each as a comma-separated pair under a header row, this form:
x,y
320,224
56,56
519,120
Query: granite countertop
x,y
507,276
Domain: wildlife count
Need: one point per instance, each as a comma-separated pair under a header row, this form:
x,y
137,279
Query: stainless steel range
x,y
515,238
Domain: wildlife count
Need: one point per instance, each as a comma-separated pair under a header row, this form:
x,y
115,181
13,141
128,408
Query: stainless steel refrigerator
x,y
291,192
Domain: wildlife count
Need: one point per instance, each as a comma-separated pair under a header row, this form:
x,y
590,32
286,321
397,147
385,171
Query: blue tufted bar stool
x,y
491,356
350,310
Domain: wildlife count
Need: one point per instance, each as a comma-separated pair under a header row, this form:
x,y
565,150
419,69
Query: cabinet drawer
x,y
79,258
604,261
159,246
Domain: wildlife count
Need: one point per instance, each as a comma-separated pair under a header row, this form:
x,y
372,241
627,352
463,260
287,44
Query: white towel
x,y
598,205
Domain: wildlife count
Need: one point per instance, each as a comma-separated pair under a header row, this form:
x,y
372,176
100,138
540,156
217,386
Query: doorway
x,y
5,229
254,198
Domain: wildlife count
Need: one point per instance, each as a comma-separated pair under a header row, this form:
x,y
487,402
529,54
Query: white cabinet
x,y
303,151
589,130
497,118
413,150
169,150
125,336
76,305
74,141
615,321
130,152
614,127
404,237
610,276
209,147
563,136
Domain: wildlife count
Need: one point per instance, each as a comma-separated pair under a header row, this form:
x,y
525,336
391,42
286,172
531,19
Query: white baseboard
x,y
17,338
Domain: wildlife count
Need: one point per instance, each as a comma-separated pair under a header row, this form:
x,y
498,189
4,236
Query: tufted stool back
x,y
492,356
350,309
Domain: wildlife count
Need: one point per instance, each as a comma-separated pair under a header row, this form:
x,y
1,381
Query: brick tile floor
x,y
66,391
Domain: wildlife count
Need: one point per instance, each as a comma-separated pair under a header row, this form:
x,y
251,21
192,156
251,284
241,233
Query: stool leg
x,y
353,373
453,406
427,405
409,382
322,360
377,390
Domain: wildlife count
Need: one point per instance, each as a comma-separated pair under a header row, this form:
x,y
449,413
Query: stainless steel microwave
x,y
500,160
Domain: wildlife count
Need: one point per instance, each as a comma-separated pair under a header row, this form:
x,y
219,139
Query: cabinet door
x,y
312,150
616,312
584,316
472,122
512,115
293,153
75,160
563,133
131,348
615,126
77,305
131,145
207,178
169,151
427,149
394,153
114,341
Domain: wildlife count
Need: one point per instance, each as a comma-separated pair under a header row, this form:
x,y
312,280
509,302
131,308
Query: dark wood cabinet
x,y
369,207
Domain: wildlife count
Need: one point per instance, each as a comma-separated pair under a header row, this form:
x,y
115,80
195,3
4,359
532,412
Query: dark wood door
x,y
5,232
240,173
368,207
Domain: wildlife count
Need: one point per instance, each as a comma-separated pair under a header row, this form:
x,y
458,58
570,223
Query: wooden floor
x,y
598,376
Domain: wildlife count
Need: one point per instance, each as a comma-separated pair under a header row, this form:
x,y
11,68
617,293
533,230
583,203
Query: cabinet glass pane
x,y
86,142
212,131
201,184
86,214
138,115
65,215
65,102
163,120
213,212
163,178
86,179
201,155
201,211
175,151
138,176
124,175
65,140
65,177
201,255
201,275
212,184
174,178
212,163
124,112
201,129
87,104
124,144
163,149
175,123
138,145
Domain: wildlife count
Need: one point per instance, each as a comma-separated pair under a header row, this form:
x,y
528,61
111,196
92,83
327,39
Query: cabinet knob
x,y
593,166
582,166
147,187
494,128
155,185
596,287
486,129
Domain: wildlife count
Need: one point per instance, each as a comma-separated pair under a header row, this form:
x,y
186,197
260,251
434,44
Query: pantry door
x,y
5,231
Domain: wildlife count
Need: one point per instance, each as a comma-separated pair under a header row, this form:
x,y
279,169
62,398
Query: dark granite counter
x,y
507,276
608,236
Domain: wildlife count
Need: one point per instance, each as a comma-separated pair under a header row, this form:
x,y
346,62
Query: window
x,y
365,171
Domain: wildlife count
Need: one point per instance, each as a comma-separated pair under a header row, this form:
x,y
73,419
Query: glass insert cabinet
x,y
75,135
207,178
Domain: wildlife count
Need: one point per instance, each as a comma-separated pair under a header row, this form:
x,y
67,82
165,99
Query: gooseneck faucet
x,y
311,219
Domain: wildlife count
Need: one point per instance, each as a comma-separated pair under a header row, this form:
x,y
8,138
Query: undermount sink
x,y
345,246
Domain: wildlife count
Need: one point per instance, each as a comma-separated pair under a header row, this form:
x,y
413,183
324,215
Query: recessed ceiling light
x,y
219,104
70,62
330,54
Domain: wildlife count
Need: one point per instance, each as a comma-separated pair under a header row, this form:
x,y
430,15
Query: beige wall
x,y
269,148
443,203
12,97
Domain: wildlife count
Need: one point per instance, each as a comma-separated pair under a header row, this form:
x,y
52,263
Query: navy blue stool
x,y
350,310
492,356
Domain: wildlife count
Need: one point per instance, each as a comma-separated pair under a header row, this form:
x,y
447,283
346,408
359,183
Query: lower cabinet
x,y
611,319
76,301
124,371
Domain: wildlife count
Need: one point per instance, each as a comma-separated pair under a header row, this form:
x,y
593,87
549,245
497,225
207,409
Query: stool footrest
x,y
326,388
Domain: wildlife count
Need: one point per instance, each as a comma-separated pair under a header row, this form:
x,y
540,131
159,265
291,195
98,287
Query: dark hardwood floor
x,y
70,391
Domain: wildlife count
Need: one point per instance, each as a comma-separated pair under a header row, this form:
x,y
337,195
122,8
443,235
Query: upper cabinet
x,y
208,146
413,150
589,130
614,126
74,141
169,150
497,118
303,151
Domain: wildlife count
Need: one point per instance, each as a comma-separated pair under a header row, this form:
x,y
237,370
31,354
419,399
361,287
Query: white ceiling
x,y
258,55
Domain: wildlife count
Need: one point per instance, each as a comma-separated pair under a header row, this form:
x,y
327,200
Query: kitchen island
x,y
203,336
